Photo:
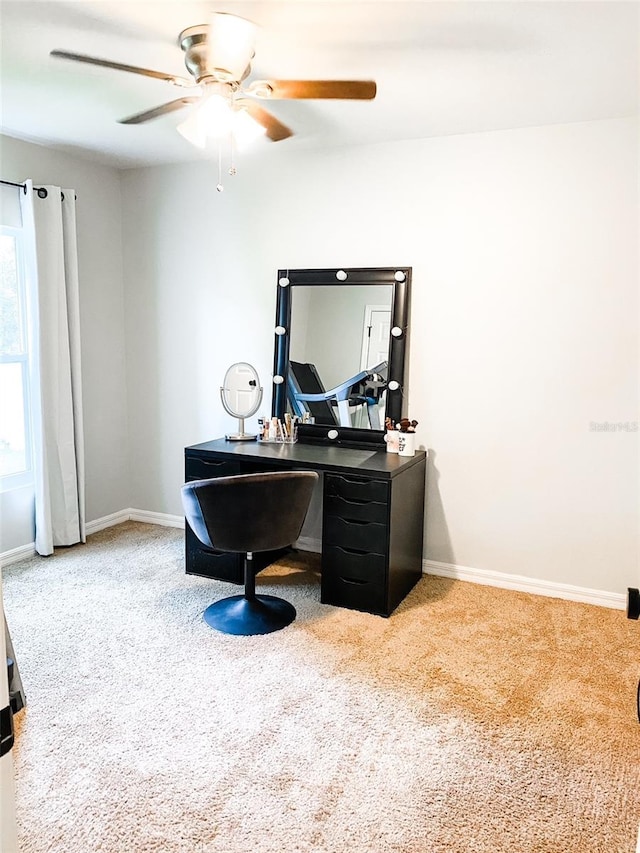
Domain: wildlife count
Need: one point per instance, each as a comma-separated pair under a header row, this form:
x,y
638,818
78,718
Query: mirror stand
x,y
241,435
241,396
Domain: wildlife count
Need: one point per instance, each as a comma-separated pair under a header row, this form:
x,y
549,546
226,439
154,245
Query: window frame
x,y
25,478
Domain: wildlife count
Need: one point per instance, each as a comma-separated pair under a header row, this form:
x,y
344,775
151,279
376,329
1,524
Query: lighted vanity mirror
x,y
339,357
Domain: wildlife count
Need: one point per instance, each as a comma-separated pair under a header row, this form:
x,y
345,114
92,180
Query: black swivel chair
x,y
243,514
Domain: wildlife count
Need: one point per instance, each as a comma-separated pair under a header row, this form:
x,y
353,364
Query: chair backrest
x,y
249,512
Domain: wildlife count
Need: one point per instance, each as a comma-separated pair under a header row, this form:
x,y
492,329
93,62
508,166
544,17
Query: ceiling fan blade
x,y
276,131
156,112
325,89
118,66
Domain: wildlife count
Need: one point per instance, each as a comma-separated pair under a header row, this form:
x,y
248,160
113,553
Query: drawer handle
x,y
357,551
215,464
353,501
355,581
206,550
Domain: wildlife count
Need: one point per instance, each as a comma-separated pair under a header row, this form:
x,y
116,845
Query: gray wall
x,y
523,323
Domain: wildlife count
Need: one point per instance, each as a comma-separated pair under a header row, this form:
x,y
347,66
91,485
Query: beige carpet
x,y
474,719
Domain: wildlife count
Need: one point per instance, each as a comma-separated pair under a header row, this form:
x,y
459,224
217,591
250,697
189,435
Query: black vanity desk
x,y
372,517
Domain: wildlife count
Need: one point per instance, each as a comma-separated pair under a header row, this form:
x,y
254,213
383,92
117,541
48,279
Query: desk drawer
x,y
351,564
198,468
355,510
357,594
215,564
361,535
356,488
211,563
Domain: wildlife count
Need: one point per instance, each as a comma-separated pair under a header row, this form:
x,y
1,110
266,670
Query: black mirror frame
x,y
400,279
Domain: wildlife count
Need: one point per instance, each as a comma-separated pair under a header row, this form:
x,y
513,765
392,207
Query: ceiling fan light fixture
x,y
246,129
192,130
230,45
215,116
212,118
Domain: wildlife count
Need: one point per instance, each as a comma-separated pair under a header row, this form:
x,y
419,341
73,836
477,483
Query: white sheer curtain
x,y
49,224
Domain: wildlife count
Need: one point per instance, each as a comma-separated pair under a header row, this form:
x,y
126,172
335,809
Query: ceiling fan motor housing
x,y
193,41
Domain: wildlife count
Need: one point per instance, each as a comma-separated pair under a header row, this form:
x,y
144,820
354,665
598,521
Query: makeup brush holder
x,y
288,439
278,435
407,444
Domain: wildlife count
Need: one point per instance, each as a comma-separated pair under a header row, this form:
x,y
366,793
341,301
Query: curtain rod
x,y
42,193
24,186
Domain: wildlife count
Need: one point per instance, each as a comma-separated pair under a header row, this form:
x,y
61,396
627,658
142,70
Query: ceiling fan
x,y
218,57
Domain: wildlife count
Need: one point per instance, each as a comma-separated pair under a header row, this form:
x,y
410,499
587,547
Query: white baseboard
x,y
161,518
143,515
16,554
107,521
602,598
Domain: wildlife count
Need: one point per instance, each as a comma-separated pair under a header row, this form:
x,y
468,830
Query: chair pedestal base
x,y
246,616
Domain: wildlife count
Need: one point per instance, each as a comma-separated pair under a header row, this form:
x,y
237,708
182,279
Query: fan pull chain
x,y
220,186
232,166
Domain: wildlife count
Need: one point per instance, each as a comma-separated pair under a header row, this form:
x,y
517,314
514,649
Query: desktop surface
x,y
373,463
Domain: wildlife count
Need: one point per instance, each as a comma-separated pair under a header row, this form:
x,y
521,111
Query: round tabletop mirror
x,y
241,396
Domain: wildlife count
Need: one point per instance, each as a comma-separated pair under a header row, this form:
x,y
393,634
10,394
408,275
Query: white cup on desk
x,y
407,444
391,438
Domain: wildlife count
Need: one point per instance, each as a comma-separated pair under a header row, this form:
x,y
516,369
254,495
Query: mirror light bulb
x,y
333,433
396,331
280,330
399,276
278,380
341,275
393,385
283,282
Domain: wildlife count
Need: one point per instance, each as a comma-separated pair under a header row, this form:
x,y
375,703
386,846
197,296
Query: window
x,y
15,427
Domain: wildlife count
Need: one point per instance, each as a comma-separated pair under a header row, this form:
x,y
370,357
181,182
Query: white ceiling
x,y
441,68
